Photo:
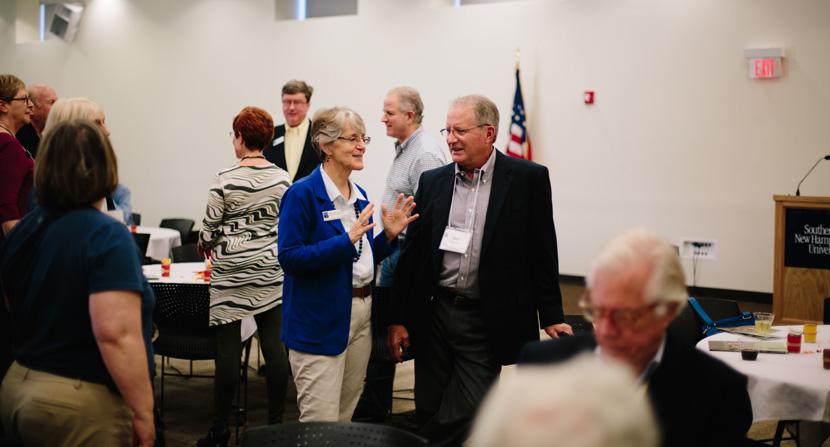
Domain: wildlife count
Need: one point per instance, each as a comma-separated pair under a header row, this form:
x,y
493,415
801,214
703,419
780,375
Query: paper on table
x,y
735,346
752,332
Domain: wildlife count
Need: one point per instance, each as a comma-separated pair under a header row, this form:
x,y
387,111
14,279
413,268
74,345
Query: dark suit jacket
x,y
697,399
275,153
28,137
518,268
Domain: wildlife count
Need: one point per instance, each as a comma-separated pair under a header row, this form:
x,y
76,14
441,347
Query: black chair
x,y
687,327
186,253
579,324
181,317
313,434
142,240
136,218
827,310
183,226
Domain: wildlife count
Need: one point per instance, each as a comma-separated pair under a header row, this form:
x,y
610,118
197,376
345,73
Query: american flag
x,y
519,144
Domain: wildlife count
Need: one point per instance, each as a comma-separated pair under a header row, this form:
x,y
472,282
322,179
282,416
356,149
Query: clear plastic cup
x,y
763,322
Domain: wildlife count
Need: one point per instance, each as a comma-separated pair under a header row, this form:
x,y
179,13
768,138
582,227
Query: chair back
x,y
186,253
684,328
312,434
181,316
827,310
579,324
183,226
142,240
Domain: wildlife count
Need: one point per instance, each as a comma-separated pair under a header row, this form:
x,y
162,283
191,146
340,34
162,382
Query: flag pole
x,y
518,54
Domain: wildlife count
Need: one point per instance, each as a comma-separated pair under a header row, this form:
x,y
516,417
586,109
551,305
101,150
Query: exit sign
x,y
765,68
764,63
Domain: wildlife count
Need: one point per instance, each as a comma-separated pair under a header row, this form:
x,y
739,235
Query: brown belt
x,y
361,292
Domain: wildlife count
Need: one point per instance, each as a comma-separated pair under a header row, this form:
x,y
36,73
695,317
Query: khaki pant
x,y
328,387
45,409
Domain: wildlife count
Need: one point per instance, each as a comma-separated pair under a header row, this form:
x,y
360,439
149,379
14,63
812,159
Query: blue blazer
x,y
316,256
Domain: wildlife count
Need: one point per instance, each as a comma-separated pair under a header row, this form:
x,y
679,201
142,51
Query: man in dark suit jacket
x,y
291,149
478,272
635,288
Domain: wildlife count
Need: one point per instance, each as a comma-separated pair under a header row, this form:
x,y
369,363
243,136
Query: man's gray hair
x,y
409,100
667,282
484,110
584,402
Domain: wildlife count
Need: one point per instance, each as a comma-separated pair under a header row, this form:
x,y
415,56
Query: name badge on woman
x,y
456,240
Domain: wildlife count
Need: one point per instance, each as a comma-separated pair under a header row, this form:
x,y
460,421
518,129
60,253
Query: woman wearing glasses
x,y
16,164
240,229
329,254
16,177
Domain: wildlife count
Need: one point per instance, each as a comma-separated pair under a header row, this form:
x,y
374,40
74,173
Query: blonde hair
x,y
73,109
585,402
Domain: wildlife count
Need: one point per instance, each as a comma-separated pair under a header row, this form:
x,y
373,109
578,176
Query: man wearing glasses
x,y
291,149
42,97
478,274
635,288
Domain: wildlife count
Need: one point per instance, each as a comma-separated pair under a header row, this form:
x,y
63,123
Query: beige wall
x,y
679,140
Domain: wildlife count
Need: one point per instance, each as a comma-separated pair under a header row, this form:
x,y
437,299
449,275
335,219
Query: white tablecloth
x,y
783,386
162,240
187,273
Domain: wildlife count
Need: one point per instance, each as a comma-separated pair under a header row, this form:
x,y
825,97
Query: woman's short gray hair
x,y
328,124
667,282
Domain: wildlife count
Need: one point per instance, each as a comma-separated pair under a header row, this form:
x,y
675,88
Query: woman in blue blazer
x,y
328,254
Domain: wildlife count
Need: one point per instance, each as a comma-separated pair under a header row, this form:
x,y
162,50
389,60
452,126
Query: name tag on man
x,y
335,214
456,240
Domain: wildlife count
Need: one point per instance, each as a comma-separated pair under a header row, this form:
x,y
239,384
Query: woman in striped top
x,y
240,230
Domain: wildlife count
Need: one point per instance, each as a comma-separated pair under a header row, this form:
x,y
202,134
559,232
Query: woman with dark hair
x,y
240,230
81,307
329,254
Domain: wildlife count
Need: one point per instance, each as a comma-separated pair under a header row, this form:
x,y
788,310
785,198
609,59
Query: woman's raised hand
x,y
362,225
399,217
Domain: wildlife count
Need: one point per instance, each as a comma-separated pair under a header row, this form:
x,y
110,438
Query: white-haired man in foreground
x,y
635,288
581,403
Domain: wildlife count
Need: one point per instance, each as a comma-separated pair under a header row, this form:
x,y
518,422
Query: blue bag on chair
x,y
710,327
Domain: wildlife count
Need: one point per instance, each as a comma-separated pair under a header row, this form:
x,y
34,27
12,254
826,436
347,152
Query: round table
x,y
162,240
783,386
190,273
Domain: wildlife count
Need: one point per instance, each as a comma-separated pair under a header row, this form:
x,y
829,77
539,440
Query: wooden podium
x,y
802,258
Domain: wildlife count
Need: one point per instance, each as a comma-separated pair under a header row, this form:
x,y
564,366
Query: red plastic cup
x,y
794,341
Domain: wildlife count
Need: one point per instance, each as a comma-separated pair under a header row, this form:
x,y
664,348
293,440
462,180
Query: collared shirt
x,y
294,143
459,272
645,376
362,269
418,153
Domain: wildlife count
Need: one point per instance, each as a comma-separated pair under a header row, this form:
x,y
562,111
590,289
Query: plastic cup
x,y
749,349
165,266
794,340
763,322
810,331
